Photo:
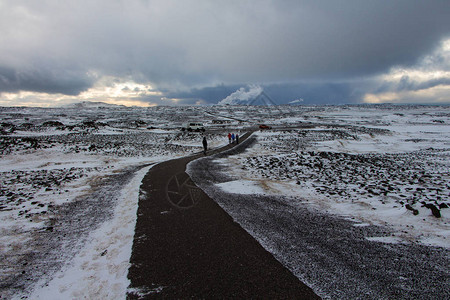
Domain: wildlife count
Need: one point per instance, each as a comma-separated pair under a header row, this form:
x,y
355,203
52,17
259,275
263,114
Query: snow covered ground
x,y
394,171
69,179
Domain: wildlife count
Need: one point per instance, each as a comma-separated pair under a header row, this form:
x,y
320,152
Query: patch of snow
x,y
385,239
241,187
100,270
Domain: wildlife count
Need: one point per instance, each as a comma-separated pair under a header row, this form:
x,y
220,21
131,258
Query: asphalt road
x,y
187,246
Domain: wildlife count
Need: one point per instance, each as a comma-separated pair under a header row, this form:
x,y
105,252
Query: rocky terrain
x,y
419,179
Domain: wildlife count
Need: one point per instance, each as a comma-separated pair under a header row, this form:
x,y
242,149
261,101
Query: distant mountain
x,y
92,104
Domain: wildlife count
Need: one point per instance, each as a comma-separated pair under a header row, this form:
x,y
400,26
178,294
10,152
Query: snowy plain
x,y
371,179
60,165
383,165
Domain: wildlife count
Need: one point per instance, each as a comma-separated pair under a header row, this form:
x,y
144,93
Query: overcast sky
x,y
168,52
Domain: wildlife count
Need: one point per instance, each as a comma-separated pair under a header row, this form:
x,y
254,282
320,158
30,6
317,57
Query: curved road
x,y
186,246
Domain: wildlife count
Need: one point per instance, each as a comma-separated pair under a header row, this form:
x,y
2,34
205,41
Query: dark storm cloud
x,y
408,84
52,46
310,92
207,94
314,92
45,81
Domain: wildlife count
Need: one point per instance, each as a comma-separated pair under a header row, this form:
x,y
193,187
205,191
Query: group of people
x,y
233,138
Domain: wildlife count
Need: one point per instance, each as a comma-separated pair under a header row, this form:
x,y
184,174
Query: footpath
x,y
187,246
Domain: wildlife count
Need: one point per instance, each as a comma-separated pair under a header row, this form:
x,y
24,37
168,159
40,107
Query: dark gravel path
x,y
186,246
328,252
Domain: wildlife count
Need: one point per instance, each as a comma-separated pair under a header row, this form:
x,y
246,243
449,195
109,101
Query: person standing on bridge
x,y
205,145
237,138
229,138
232,137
